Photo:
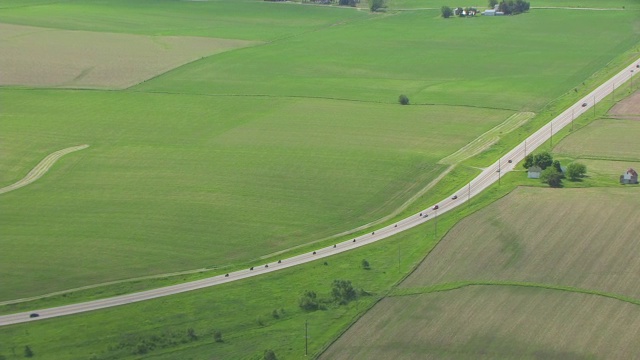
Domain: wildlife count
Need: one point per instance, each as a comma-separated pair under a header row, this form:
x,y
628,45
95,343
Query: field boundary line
x,y
43,166
462,284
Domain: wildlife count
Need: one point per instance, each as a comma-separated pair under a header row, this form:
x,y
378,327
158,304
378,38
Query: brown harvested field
x,y
33,56
628,108
493,322
586,238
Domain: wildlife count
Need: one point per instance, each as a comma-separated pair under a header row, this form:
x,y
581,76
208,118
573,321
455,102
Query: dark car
x,y
436,207
454,197
34,315
584,104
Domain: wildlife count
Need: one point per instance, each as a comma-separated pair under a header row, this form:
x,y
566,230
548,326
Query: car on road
x,y
34,315
584,104
454,197
436,207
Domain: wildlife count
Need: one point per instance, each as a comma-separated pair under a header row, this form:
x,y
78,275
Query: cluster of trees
x,y
342,292
511,7
552,173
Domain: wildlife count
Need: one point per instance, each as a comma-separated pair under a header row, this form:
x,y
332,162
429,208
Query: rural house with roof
x,y
630,177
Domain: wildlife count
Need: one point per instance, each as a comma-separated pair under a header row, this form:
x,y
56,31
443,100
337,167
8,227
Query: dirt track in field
x,y
628,108
33,56
39,170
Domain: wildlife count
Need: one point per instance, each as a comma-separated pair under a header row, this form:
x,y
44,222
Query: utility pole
x,y
499,169
469,196
398,257
525,147
306,337
436,224
571,119
551,137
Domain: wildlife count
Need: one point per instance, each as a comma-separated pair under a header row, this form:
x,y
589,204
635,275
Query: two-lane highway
x,y
489,176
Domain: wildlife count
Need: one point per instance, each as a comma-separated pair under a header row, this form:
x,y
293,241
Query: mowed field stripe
x,y
39,170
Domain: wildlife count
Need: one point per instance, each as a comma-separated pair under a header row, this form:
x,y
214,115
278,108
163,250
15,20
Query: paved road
x,y
489,176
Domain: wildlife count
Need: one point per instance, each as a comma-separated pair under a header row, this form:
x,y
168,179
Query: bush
x,y
403,100
343,291
447,12
191,334
376,5
366,265
28,352
552,177
270,355
576,170
217,336
309,301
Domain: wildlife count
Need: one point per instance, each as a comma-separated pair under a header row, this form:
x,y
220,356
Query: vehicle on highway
x,y
584,104
436,207
34,315
454,197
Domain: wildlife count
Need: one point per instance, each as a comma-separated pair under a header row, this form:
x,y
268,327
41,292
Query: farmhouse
x,y
534,172
630,177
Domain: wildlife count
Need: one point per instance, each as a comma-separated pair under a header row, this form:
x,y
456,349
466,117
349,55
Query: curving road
x,y
489,176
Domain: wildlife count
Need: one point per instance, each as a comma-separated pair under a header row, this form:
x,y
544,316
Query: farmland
x,y
554,278
284,130
493,322
64,58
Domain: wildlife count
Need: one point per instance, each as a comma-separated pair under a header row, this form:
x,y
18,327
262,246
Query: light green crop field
x,y
518,63
251,20
493,322
202,179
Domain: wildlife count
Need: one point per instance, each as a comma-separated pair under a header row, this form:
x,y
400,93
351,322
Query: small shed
x,y
489,13
630,177
534,172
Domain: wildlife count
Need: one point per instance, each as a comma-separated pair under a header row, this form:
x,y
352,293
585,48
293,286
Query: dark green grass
x,y
247,20
211,181
518,63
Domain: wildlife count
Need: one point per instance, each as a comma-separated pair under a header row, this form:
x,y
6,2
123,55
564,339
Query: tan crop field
x,y
33,56
493,322
629,108
585,238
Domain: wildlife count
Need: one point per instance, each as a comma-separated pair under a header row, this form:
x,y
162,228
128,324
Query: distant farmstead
x,y
630,177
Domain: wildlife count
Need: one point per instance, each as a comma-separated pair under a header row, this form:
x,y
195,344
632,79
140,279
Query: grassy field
x,y
81,59
456,64
242,311
218,174
493,322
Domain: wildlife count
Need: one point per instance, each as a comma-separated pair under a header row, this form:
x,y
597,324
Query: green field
x,y
262,149
606,139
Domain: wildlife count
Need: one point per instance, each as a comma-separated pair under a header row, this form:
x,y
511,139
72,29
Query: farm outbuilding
x,y
534,172
630,177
